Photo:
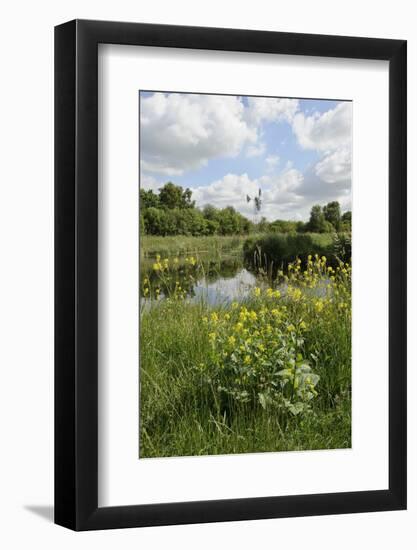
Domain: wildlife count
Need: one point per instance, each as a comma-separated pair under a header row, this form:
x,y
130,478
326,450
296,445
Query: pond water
x,y
223,289
214,281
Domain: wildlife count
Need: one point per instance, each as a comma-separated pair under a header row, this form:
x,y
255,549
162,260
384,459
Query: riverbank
x,y
270,373
180,245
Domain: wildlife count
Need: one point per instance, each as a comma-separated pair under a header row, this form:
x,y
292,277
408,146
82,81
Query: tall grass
x,y
189,401
182,245
278,249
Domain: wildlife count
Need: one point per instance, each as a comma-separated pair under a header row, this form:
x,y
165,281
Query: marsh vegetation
x,y
240,355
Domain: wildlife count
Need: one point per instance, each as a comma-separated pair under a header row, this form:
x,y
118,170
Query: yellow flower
x,y
214,317
238,327
145,291
246,359
231,340
176,261
269,292
303,326
257,291
253,316
227,317
294,293
243,315
205,319
277,294
275,312
291,328
319,305
156,266
235,305
212,336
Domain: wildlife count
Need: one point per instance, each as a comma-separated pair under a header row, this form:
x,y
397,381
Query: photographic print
x,y
245,274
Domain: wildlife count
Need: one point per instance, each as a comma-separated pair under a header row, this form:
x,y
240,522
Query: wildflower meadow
x,y
268,372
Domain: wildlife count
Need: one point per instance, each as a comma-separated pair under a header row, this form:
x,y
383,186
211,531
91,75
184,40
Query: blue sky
x,y
298,151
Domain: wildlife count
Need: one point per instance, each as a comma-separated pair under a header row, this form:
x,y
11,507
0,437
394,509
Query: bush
x,y
280,249
257,357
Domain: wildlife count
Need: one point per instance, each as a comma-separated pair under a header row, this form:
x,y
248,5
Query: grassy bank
x,y
187,245
272,373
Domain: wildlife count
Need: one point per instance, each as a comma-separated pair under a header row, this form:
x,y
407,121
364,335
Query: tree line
x,y
173,212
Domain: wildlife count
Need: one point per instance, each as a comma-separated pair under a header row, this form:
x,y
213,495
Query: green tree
x,y
347,216
332,214
153,222
210,212
174,196
283,226
346,223
211,227
316,223
148,199
301,227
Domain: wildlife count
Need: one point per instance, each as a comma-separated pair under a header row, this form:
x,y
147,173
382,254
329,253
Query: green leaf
x,y
262,400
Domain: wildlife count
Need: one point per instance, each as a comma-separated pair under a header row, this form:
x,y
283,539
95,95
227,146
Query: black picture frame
x,y
76,272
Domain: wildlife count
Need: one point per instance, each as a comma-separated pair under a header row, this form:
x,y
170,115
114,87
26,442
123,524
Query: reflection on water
x,y
216,282
224,290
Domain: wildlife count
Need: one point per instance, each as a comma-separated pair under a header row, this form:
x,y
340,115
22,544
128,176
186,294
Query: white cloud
x,y
256,150
279,194
271,109
281,198
327,131
149,182
231,190
272,162
335,167
182,132
287,195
